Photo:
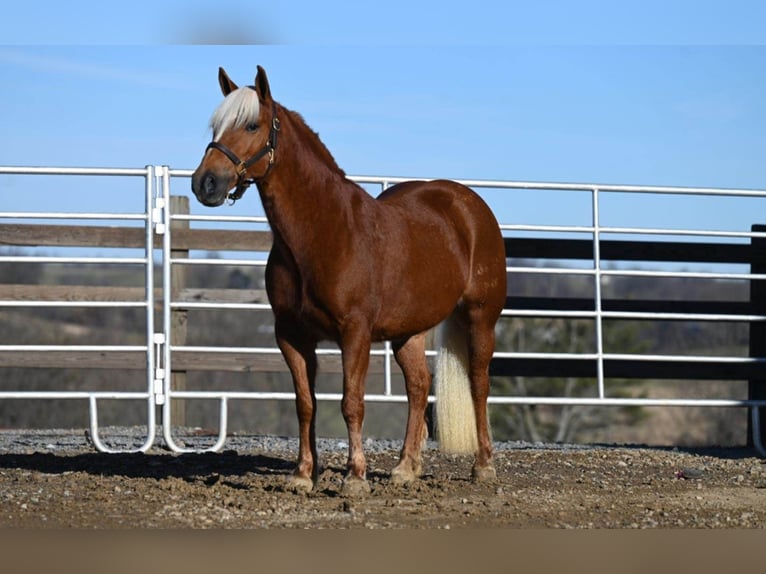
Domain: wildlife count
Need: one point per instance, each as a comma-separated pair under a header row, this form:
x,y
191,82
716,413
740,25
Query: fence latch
x,y
160,372
158,215
159,212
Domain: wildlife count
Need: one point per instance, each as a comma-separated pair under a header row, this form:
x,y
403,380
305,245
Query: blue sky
x,y
659,93
425,22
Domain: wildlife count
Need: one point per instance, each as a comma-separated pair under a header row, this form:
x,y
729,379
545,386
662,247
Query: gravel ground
x,y
56,479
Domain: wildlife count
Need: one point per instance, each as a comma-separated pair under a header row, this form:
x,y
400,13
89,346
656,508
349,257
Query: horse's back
x,y
451,218
445,198
462,210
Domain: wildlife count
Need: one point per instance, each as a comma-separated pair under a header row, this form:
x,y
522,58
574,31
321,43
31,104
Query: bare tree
x,y
550,423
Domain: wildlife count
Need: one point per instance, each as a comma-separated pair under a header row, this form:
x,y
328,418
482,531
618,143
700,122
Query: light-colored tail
x,y
455,417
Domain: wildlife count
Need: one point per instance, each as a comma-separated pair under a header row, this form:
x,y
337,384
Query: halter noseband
x,y
243,165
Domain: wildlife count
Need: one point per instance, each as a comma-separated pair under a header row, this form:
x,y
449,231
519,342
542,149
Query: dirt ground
x,y
537,487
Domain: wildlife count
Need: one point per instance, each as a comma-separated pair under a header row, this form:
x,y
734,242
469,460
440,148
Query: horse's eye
x,y
251,127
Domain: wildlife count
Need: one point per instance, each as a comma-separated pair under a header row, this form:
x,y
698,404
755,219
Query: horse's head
x,y
245,128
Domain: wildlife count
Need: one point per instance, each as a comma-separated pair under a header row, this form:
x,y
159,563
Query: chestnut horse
x,y
354,269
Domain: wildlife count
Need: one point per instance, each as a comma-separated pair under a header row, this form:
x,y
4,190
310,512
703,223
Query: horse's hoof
x,y
483,473
299,484
354,487
401,476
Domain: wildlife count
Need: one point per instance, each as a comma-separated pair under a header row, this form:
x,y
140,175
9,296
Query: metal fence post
x,y
179,204
756,388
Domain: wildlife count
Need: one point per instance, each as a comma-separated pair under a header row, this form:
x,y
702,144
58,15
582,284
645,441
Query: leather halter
x,y
242,166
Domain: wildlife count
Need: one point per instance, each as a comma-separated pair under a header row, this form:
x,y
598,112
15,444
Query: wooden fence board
x,y
36,235
125,294
183,361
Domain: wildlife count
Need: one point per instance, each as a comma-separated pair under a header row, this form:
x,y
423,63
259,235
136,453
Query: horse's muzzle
x,y
210,189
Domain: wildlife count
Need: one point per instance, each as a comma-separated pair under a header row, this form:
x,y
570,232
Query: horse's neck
x,y
308,201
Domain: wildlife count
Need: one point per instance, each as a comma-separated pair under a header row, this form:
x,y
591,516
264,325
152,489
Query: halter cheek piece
x,y
242,166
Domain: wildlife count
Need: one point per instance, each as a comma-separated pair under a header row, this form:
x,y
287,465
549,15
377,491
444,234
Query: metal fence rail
x,y
161,352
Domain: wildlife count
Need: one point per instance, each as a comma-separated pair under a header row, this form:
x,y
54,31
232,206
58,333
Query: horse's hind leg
x,y
481,345
410,356
299,352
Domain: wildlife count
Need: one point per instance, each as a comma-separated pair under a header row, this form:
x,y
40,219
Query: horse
x,y
356,269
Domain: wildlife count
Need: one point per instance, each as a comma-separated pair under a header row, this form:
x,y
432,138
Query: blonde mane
x,y
238,109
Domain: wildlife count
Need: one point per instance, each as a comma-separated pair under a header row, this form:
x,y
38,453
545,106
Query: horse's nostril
x,y
209,184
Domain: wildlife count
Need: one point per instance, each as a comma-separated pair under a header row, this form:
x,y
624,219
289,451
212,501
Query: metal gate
x,y
146,217
589,237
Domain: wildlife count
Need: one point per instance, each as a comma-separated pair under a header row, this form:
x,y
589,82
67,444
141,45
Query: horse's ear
x,y
227,85
262,84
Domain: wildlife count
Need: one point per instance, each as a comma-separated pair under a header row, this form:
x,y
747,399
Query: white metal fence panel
x,y
595,231
603,222
145,217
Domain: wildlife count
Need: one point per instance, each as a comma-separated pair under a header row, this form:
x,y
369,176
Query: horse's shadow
x,y
157,466
207,468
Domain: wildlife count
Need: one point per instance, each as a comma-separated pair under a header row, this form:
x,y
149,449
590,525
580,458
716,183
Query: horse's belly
x,y
415,310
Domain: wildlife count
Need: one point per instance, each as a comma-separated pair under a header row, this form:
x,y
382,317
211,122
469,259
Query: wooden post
x,y
756,388
178,317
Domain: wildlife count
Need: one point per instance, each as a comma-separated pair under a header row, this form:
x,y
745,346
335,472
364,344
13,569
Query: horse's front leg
x,y
355,348
299,352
